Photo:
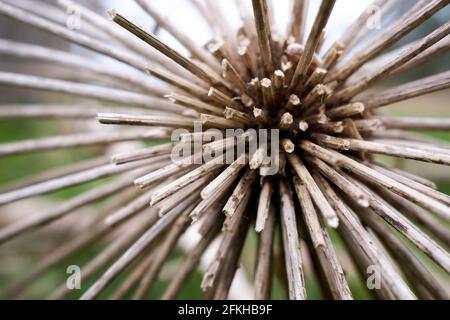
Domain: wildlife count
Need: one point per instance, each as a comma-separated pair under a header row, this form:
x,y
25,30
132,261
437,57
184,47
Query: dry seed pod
x,y
320,163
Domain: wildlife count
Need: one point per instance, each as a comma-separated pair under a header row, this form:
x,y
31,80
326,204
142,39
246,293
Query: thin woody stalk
x,y
262,24
311,44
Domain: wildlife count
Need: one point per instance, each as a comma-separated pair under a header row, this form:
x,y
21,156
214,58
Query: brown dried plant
x,y
255,78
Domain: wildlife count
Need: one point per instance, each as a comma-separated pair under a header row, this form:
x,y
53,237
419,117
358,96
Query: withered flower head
x,y
316,170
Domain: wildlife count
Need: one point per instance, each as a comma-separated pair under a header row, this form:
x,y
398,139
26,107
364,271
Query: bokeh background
x,y
17,257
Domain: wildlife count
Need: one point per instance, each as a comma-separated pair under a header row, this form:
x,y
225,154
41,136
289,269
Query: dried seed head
x,y
318,170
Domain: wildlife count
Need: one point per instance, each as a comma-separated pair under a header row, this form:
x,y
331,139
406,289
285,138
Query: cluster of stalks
x,y
256,78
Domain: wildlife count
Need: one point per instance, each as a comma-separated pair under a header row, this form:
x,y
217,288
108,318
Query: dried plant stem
x,y
188,266
421,12
279,80
353,89
326,210
334,176
72,36
330,59
218,17
352,230
322,245
204,136
187,179
67,249
368,125
293,103
52,13
243,188
436,50
309,214
265,200
164,49
317,119
223,99
79,140
335,158
146,120
131,209
346,111
241,210
248,78
238,116
409,123
407,91
194,104
263,31
417,215
74,179
226,178
403,255
216,148
409,230
416,153
188,86
166,171
88,91
25,225
317,94
288,145
249,58
133,252
316,78
142,154
400,135
213,204
229,72
104,25
356,31
112,251
330,127
192,190
267,93
162,253
263,272
29,51
298,20
259,158
299,77
57,111
260,115
249,26
413,184
293,257
412,176
216,122
230,262
286,121
195,50
57,172
421,145
137,274
231,240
